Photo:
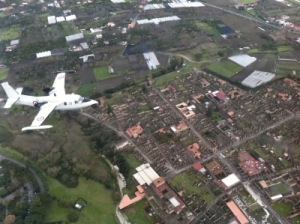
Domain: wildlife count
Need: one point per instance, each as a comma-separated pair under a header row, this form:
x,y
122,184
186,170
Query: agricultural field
x,y
207,28
101,73
10,33
99,203
86,89
226,69
3,73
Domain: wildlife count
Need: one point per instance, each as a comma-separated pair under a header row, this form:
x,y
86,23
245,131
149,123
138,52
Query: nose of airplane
x,y
95,104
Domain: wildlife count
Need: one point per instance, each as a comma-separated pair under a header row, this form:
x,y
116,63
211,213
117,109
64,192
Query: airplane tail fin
x,y
12,94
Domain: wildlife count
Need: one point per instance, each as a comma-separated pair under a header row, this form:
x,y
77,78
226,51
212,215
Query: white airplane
x,y
57,100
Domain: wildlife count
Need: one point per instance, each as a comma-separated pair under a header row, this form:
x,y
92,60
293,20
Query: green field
x,y
226,68
282,209
2,14
66,28
296,220
279,49
86,89
99,202
277,188
102,73
173,76
186,180
10,33
207,28
135,213
143,108
246,1
3,73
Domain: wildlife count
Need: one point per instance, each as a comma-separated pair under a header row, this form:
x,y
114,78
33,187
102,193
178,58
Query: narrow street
x,y
176,111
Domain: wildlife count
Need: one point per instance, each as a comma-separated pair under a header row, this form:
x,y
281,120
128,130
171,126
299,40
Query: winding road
x,y
38,179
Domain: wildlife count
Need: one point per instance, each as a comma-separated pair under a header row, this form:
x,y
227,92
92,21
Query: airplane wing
x,y
58,85
45,110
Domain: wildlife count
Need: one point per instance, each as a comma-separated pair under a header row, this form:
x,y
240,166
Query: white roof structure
x,y
43,54
60,19
84,45
231,180
85,58
51,20
158,20
14,42
174,4
117,1
243,59
257,78
139,179
145,174
95,30
174,202
70,17
151,60
67,11
76,36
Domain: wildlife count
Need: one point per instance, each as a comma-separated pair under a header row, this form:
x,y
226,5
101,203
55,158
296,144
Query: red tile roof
x,y
197,166
237,213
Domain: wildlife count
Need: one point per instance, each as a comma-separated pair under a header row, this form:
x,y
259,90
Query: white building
x,y
51,20
145,174
243,59
231,180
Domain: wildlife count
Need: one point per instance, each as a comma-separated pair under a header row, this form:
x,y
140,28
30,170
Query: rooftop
x,y
237,213
243,59
194,150
134,131
231,180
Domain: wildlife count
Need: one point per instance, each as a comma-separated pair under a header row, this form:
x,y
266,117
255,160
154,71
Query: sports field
x,y
226,68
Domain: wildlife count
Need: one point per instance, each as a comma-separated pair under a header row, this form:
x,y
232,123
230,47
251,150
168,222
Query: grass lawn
x,y
226,68
296,220
276,189
9,33
136,214
246,1
102,73
2,14
3,73
86,89
216,116
143,108
171,76
99,202
186,181
282,209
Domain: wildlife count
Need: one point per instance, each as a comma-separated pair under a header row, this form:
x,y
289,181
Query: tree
x,y
73,216
36,201
10,219
174,63
198,56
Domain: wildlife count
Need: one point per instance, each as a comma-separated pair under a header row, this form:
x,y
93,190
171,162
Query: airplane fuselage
x,y
69,101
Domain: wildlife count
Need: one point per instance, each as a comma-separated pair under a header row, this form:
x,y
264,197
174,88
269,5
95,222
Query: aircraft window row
x,y
70,103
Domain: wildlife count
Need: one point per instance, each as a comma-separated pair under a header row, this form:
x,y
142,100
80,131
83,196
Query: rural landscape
x,y
198,118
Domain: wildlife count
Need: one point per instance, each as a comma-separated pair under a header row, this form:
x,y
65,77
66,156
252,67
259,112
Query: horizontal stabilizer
x,y
10,102
37,127
19,90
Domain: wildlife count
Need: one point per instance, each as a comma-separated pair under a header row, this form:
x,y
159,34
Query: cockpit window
x,y
80,99
86,100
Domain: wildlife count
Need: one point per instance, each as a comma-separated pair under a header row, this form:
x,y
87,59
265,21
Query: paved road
x,y
38,179
246,17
